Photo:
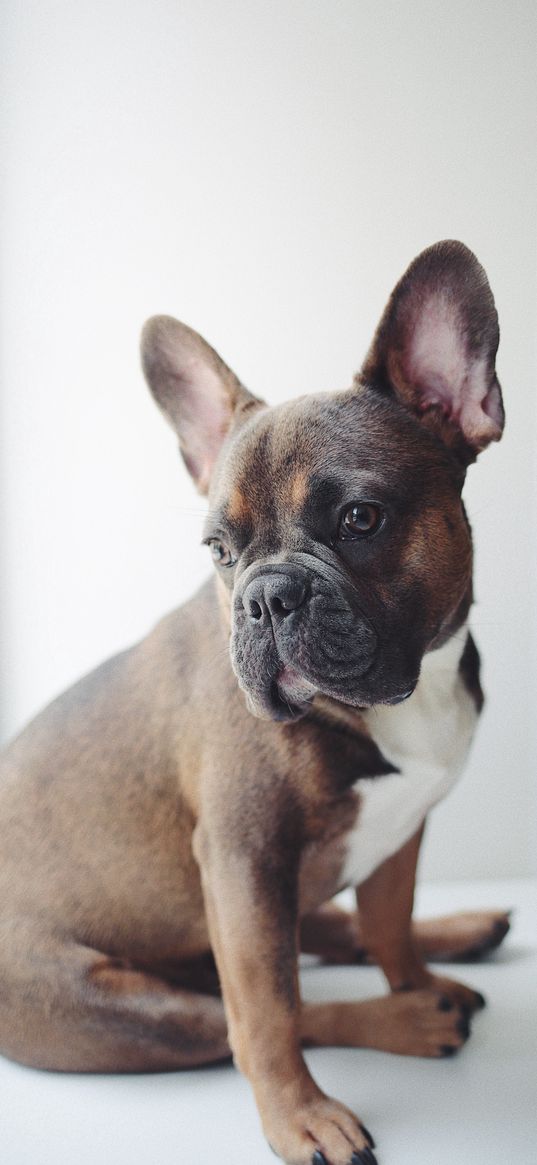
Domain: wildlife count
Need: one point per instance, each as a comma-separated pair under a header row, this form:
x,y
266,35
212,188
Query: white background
x,y
264,170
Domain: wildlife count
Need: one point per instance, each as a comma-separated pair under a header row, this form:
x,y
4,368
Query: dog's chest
x,y
427,739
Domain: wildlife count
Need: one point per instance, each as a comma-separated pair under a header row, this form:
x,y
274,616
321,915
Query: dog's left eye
x,y
360,520
221,554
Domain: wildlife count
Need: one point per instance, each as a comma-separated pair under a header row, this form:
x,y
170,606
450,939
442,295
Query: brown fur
x,y
159,844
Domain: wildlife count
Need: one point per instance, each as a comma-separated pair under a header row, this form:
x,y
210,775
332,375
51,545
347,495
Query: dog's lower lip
x,y
292,686
284,708
288,675
290,693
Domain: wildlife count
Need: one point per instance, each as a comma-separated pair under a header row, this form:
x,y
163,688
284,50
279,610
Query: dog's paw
x,y
457,993
321,1132
464,937
419,1022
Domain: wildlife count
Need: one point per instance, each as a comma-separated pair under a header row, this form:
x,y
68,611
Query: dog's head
x,y
335,521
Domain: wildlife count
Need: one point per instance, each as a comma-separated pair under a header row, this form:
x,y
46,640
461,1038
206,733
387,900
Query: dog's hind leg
x,y
461,937
73,1009
335,935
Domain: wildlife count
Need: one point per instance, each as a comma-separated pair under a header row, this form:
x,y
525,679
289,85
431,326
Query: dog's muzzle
x,y
295,633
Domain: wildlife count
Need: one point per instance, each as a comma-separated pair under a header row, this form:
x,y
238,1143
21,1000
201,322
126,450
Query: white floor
x,y
477,1109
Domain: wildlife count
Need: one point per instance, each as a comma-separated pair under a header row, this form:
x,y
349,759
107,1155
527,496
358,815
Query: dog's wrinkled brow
x,y
324,491
220,522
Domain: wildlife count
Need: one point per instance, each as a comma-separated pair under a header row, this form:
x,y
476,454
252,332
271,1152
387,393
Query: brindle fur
x,y
150,824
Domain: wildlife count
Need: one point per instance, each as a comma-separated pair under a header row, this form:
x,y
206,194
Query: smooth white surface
x,y
477,1109
264,171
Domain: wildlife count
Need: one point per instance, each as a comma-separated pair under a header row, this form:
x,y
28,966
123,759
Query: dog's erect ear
x,y
198,394
435,348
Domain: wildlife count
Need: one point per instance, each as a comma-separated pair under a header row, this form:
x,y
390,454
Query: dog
x,y
174,827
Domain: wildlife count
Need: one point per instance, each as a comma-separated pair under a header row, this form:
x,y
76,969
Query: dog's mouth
x,y
290,694
286,697
297,634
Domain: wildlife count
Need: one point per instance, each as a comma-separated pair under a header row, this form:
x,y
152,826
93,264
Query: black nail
x,y
444,1003
481,1001
447,1050
463,1027
318,1158
366,1157
367,1134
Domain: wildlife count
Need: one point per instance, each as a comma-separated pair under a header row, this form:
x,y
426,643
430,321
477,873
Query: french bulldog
x,y
174,828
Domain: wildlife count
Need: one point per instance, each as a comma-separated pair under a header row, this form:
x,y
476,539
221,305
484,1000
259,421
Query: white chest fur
x,y
427,738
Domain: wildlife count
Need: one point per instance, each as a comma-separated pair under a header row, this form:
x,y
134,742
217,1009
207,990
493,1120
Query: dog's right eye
x,y
221,554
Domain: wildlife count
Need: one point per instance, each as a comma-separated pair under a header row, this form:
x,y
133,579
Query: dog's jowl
x,y
173,828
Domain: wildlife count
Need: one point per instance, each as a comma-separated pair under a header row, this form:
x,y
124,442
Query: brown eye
x,y
359,520
221,555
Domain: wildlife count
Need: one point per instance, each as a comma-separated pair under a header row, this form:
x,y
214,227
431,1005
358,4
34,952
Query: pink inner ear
x,y
438,366
205,420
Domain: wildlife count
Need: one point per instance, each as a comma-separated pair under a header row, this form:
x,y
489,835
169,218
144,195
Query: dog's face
x,y
335,521
337,529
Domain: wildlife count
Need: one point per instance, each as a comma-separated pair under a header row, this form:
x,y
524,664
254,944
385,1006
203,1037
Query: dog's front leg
x,y
385,903
250,894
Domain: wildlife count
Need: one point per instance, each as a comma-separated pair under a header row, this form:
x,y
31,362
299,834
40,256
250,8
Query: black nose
x,y
274,596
